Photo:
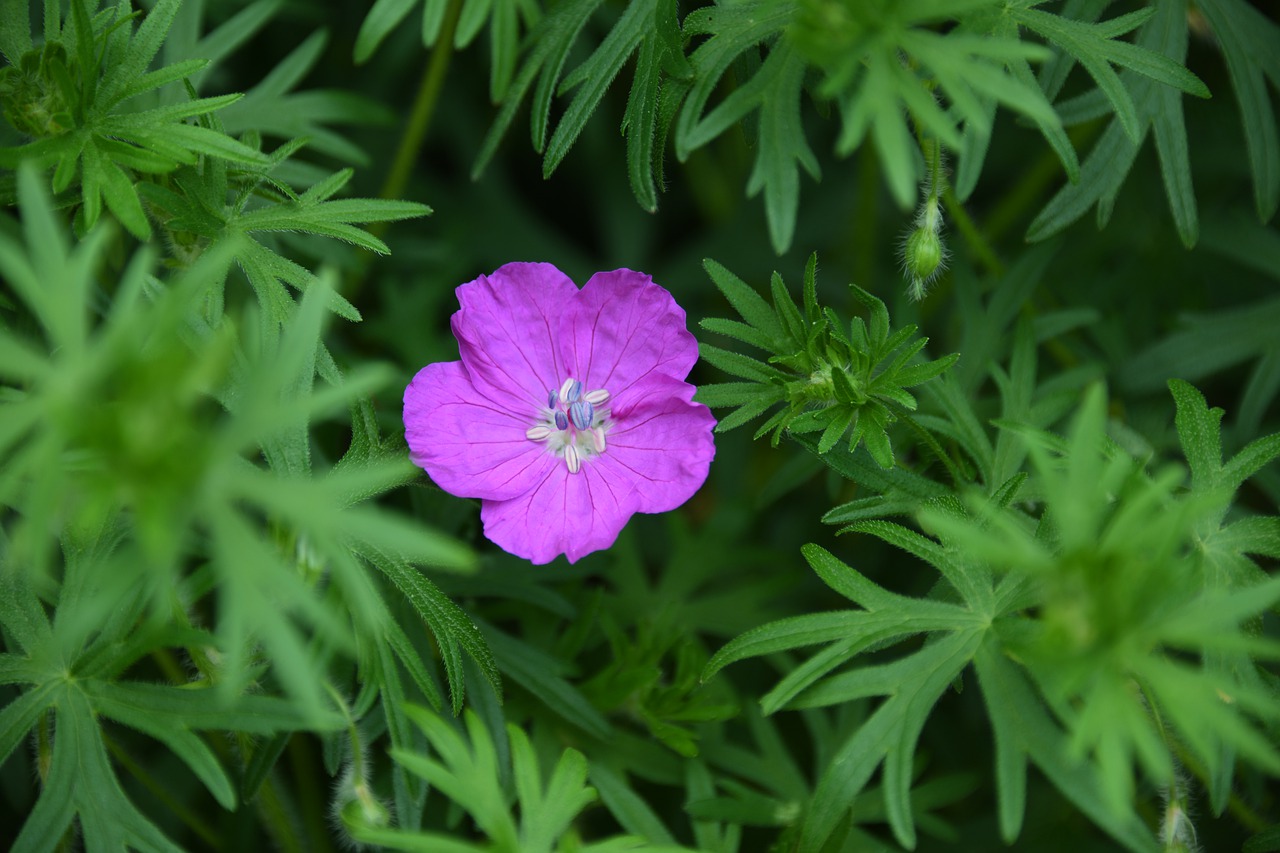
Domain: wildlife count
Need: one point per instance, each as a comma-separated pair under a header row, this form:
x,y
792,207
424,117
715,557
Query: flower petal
x,y
508,331
570,514
471,447
661,444
623,327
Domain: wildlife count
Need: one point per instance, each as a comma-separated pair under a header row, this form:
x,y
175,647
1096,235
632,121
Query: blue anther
x,y
552,398
562,422
581,413
575,392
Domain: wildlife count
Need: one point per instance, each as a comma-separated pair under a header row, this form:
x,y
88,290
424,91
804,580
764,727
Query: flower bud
x,y
923,254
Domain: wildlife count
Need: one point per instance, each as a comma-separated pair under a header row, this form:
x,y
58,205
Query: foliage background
x,y
164,567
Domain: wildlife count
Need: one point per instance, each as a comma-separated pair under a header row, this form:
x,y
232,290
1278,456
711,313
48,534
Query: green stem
x,y
309,794
982,249
932,150
424,107
415,130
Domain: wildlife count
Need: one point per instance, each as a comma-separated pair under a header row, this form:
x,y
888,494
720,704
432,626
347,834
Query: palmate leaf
x,y
80,781
453,629
885,66
466,770
1145,98
213,209
94,132
648,29
1142,567
911,685
847,386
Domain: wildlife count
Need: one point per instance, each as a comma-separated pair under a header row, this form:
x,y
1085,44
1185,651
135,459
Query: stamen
x,y
597,439
562,420
581,413
570,391
571,458
538,433
551,399
596,397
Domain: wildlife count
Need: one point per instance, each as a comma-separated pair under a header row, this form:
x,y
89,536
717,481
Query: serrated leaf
x,y
749,304
736,364
729,394
452,627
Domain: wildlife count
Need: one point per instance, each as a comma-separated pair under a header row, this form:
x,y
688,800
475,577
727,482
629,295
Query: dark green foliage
x,y
1008,582
830,381
1090,608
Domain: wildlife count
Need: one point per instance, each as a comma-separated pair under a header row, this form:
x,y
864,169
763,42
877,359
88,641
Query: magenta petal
x,y
508,331
570,514
623,327
661,443
469,445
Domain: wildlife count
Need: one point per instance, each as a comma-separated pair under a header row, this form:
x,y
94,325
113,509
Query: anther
x,y
596,397
538,433
571,458
581,413
562,420
570,391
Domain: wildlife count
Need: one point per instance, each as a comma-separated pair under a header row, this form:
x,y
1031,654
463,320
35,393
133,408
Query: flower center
x,y
572,424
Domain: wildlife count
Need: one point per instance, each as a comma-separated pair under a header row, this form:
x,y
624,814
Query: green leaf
x,y
453,628
641,117
550,40
632,812
734,29
738,365
1246,37
143,47
1023,730
889,735
781,144
749,304
383,17
546,814
15,29
1198,431
1108,164
595,75
536,672
22,714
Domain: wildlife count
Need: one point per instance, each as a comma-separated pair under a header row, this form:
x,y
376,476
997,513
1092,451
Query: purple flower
x,y
568,411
